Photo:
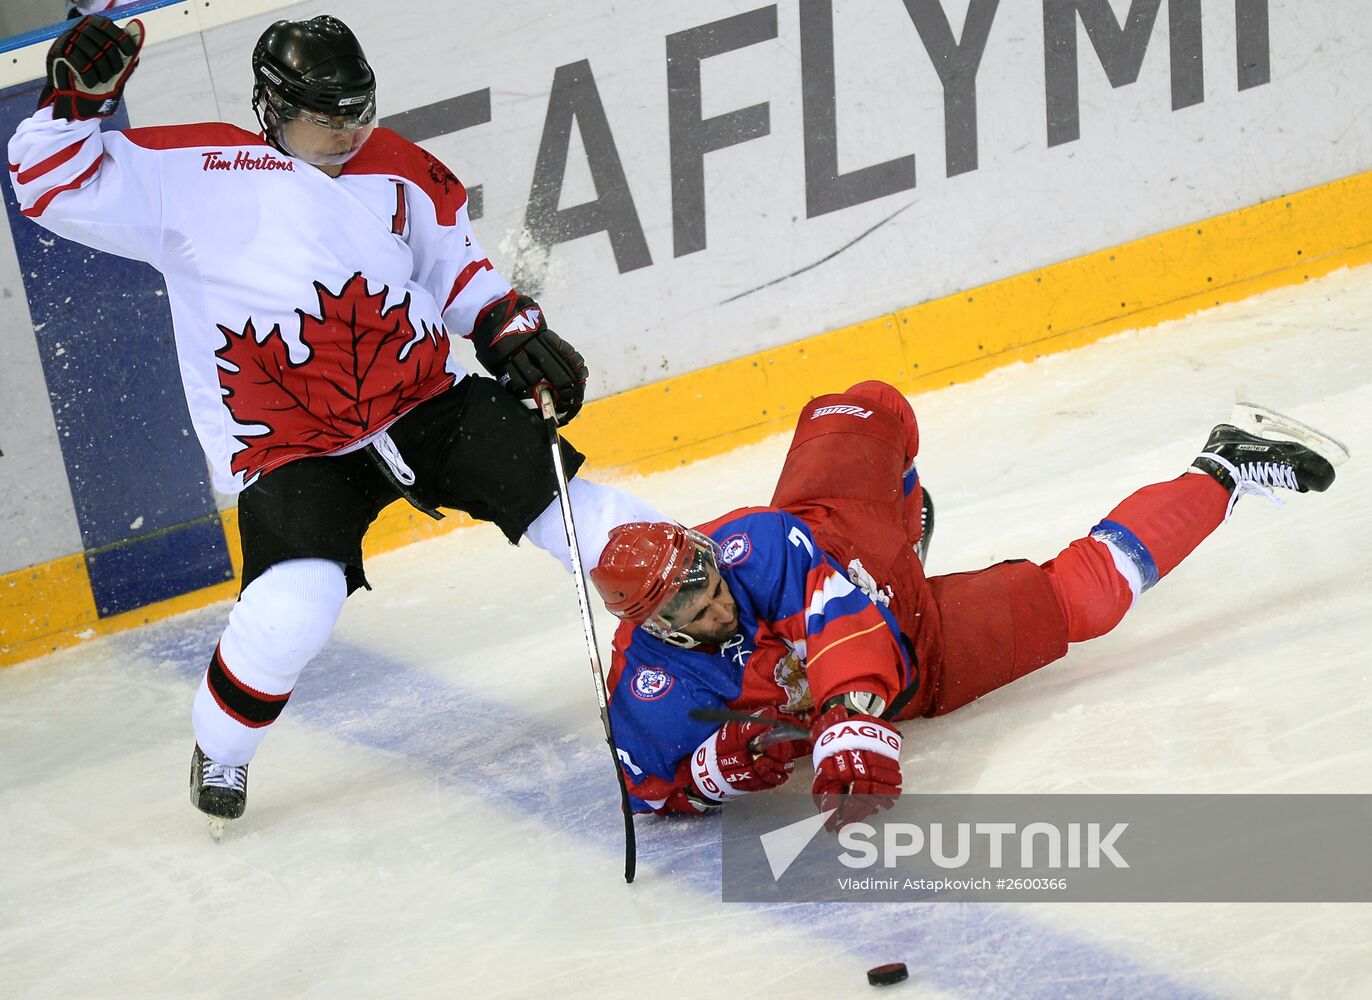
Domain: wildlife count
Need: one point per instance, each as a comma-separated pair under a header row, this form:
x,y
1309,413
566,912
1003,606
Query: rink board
x,y
954,339
736,271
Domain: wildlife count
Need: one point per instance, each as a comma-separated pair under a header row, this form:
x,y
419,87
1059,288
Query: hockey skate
x,y
926,519
1262,450
220,791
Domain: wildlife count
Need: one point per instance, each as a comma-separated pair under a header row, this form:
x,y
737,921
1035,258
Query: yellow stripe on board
x,y
45,607
963,336
954,339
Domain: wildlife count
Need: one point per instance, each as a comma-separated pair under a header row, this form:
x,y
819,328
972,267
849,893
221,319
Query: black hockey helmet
x,y
315,70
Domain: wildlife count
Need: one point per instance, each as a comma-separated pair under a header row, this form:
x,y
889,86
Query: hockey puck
x,y
888,975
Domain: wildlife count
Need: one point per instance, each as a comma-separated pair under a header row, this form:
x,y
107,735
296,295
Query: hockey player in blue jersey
x,y
816,609
787,604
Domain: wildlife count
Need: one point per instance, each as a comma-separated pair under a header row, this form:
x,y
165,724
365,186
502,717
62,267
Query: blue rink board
x,y
139,484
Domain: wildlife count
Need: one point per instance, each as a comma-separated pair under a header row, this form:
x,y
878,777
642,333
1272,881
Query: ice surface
x,y
435,815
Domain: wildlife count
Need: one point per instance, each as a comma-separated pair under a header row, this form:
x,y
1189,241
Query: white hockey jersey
x,y
310,312
106,7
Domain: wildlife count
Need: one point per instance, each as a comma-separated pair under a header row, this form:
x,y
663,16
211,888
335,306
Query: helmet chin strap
x,y
673,638
266,119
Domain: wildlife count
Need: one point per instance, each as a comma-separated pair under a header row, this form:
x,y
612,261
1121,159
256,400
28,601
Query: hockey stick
x,y
545,407
782,729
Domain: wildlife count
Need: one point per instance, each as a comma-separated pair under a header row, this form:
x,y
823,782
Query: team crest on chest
x,y
650,683
790,676
735,549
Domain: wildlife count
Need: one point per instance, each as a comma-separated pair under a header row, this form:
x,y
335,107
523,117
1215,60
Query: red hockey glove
x,y
854,755
514,344
88,65
730,762
686,801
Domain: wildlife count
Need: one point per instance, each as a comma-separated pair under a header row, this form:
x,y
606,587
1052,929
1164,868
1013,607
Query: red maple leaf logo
x,y
365,366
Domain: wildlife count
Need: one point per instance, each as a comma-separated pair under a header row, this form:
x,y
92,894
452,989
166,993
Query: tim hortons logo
x,y
845,410
214,160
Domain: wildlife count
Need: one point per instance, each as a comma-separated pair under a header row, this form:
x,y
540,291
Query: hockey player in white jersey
x,y
315,273
76,8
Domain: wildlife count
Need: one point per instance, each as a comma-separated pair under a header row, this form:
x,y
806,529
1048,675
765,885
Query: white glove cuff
x,y
707,777
857,734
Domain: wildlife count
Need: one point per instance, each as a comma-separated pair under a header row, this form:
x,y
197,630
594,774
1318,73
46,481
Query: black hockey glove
x,y
88,65
514,344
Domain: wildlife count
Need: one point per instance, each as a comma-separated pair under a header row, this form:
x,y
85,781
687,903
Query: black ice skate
x,y
1263,450
218,790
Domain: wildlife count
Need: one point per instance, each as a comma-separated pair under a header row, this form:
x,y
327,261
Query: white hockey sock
x,y
279,624
596,509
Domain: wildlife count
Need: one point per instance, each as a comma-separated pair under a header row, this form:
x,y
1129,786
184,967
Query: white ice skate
x,y
1273,426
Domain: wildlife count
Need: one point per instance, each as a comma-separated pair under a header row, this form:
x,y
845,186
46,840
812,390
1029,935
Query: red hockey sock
x,y
1152,531
1170,519
1092,593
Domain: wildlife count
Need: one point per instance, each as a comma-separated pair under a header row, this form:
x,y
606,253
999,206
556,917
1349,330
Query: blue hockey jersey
x,y
806,632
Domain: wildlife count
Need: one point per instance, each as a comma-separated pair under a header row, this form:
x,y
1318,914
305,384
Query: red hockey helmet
x,y
645,566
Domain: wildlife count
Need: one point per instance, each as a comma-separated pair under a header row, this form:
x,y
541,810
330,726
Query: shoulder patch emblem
x,y
735,549
650,683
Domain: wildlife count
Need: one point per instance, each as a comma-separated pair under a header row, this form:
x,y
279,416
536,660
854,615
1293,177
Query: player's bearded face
x,y
710,615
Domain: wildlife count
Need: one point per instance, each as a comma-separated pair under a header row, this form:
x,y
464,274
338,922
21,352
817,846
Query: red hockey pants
x,y
849,475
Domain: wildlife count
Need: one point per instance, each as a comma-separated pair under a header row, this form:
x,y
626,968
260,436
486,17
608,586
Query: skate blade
x,y
217,825
1268,423
926,516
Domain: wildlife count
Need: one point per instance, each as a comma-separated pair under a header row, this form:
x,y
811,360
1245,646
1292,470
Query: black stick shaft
x,y
785,728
